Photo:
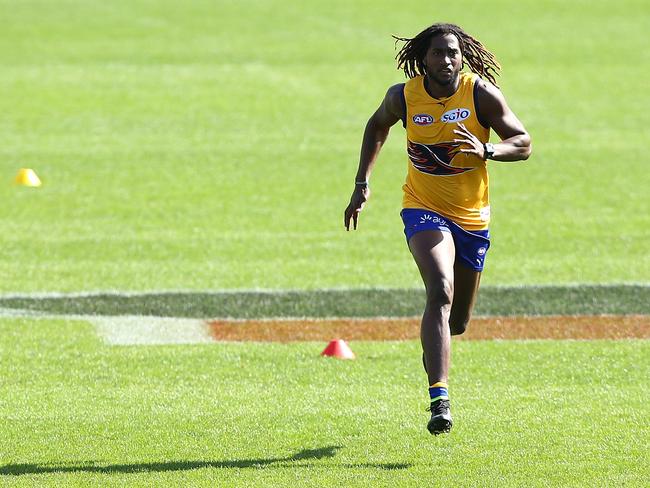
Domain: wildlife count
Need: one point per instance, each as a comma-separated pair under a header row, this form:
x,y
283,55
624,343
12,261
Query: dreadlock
x,y
480,60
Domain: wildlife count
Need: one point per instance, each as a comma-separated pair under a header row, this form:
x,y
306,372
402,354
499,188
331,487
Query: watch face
x,y
489,150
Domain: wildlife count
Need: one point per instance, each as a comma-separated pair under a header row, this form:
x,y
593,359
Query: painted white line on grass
x,y
280,291
130,329
144,330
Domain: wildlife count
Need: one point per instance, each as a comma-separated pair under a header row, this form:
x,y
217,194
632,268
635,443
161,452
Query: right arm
x,y
389,112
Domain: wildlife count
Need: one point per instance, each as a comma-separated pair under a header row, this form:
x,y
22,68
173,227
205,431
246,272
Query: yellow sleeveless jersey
x,y
440,178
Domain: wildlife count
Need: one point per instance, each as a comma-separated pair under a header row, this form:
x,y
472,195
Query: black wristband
x,y
361,183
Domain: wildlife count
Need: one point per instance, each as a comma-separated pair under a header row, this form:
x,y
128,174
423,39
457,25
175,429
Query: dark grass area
x,y
543,300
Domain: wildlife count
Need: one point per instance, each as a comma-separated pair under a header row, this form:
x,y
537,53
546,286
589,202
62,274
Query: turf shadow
x,y
91,467
530,300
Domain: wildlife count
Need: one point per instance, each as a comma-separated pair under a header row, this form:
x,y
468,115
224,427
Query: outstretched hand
x,y
475,145
358,199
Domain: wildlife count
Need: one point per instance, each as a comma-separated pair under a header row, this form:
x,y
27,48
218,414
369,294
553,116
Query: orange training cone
x,y
338,349
27,177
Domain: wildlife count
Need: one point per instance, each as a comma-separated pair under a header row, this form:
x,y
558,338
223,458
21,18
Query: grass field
x,y
196,160
537,413
169,137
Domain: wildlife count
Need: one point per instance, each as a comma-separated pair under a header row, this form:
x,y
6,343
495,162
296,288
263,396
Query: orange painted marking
x,y
400,329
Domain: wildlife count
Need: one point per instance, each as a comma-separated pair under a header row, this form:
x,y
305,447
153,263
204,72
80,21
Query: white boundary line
x,y
134,293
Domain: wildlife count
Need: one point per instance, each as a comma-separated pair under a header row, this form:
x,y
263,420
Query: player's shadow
x,y
295,460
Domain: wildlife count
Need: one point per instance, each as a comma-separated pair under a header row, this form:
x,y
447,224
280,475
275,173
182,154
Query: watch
x,y
489,150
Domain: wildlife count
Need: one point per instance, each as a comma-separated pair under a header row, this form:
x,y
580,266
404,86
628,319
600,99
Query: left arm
x,y
515,142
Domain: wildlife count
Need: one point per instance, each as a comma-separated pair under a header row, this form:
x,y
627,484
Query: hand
x,y
476,147
358,199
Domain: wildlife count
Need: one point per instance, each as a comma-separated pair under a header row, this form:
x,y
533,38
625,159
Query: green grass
x,y
212,145
206,145
76,412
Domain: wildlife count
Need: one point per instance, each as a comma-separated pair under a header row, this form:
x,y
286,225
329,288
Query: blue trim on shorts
x,y
471,246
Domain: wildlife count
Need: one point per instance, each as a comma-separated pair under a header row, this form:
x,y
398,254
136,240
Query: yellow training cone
x,y
27,177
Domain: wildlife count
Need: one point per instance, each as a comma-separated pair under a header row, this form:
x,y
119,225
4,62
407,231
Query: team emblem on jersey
x,y
435,159
455,115
422,119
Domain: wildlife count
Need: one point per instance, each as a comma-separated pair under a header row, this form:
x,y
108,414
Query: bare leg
x,y
466,282
434,253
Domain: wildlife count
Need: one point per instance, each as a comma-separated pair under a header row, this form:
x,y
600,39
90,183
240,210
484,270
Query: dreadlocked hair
x,y
475,54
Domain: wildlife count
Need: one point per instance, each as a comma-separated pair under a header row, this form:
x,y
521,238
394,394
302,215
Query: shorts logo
x,y
434,219
455,115
481,251
422,119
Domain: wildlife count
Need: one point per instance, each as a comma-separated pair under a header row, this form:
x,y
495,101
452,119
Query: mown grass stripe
x,y
503,301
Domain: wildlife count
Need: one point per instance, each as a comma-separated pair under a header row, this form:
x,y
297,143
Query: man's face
x,y
443,59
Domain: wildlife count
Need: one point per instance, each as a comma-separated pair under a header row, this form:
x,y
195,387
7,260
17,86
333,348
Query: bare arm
x,y
515,144
374,136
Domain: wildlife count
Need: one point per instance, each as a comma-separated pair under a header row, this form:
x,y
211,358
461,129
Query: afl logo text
x,y
422,119
455,115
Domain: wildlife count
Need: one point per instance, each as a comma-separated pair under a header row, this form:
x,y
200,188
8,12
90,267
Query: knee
x,y
440,294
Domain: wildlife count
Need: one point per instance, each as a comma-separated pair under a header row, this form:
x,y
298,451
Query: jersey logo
x,y
435,159
422,119
455,115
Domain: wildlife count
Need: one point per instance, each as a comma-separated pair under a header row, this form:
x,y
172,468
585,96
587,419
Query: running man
x,y
447,115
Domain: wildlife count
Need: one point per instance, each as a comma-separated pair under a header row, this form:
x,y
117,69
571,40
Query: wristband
x,y
361,183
